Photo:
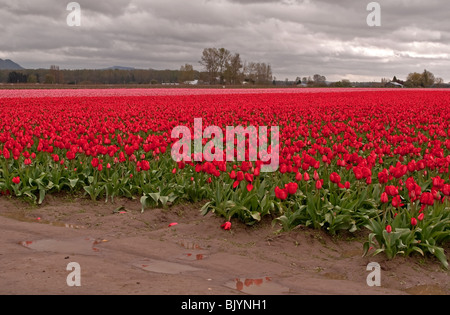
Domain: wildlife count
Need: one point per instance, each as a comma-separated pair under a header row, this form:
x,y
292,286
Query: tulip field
x,y
349,160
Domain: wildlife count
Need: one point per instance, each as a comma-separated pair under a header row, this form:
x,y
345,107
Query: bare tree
x,y
223,65
439,81
57,74
319,80
223,57
215,62
210,60
232,73
258,73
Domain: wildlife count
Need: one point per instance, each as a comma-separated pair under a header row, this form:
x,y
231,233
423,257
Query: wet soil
x,y
123,251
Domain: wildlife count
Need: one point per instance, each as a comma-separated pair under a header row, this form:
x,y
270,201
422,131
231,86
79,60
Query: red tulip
x,y
421,216
226,226
358,172
427,199
396,202
389,229
383,177
281,193
391,190
16,180
412,166
145,165
70,155
335,178
6,153
413,221
384,198
446,190
319,184
438,182
248,177
316,176
292,188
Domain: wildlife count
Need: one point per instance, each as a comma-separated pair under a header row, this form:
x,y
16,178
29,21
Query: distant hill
x,y
119,68
9,65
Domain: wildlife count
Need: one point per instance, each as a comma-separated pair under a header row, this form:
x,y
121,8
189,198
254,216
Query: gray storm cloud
x,y
297,37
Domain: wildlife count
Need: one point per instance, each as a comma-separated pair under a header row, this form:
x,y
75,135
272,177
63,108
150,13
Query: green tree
x,y
187,73
49,79
17,77
414,80
428,79
32,78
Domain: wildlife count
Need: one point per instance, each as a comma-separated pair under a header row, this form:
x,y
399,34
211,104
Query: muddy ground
x,y
123,251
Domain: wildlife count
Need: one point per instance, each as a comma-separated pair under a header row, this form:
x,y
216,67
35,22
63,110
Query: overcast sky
x,y
297,37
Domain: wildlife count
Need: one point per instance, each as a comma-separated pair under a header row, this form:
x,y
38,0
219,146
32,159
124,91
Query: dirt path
x,y
134,253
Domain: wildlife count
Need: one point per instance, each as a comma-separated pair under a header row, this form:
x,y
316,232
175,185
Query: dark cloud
x,y
297,37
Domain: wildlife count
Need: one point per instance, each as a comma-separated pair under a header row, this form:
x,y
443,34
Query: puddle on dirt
x,y
22,217
335,276
351,253
193,256
66,225
162,266
84,246
190,245
426,290
260,286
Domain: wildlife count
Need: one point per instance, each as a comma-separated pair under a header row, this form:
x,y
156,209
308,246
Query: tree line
x,y
90,76
220,66
426,79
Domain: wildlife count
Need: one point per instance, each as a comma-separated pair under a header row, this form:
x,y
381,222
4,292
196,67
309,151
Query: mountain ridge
x,y
8,64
